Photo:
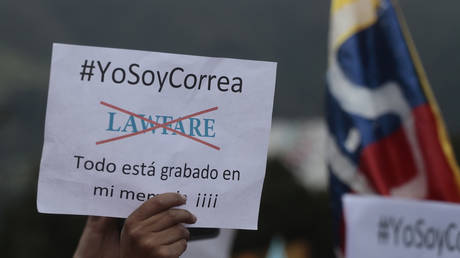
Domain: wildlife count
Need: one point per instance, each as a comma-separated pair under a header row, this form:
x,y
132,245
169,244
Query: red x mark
x,y
158,125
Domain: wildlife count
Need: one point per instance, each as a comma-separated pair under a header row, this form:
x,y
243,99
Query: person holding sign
x,y
153,230
114,139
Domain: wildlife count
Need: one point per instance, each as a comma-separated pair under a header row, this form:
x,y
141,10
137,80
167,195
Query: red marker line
x,y
158,125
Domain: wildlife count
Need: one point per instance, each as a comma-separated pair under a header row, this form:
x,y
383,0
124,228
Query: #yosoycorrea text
x,y
418,234
176,78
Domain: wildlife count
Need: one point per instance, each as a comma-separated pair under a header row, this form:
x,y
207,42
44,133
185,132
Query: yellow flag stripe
x,y
339,4
350,17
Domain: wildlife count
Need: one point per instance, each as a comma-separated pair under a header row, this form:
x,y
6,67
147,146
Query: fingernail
x,y
194,218
184,199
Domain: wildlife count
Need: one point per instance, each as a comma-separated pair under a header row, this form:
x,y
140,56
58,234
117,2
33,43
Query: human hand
x,y
155,229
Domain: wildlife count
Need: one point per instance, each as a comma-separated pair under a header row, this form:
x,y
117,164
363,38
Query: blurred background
x,y
290,32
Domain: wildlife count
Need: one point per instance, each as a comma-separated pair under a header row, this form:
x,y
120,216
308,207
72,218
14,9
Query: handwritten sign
x,y
125,125
385,227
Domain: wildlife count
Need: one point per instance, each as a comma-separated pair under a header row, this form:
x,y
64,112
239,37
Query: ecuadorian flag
x,y
386,134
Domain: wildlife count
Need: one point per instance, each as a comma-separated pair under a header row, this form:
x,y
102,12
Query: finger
x,y
172,235
173,250
156,205
168,218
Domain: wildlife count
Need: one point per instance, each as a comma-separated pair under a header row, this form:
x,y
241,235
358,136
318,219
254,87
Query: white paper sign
x,y
125,125
399,228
